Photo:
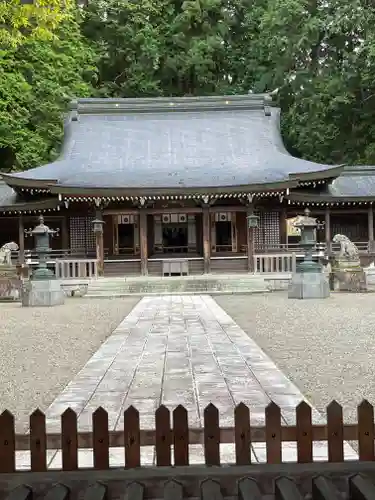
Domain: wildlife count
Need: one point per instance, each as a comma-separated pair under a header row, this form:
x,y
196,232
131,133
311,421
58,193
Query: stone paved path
x,y
179,350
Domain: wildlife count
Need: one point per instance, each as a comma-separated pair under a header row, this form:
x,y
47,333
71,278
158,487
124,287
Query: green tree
x,y
127,37
194,60
322,55
38,19
36,82
159,47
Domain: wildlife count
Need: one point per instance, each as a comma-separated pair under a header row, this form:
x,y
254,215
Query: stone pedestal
x,y
313,285
10,283
348,276
370,278
43,293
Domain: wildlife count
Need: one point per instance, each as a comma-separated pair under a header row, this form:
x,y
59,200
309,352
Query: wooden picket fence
x,y
177,437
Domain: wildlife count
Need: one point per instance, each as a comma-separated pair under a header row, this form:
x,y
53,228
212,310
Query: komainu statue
x,y
10,283
6,253
348,250
347,272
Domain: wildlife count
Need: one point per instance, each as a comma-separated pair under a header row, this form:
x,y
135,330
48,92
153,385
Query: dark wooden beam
x,y
206,238
143,241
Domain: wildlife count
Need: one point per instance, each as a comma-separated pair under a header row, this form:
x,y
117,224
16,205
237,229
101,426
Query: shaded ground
x,y
42,349
326,347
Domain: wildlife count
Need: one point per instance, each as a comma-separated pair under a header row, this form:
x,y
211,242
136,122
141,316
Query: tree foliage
x,y
37,19
317,57
37,80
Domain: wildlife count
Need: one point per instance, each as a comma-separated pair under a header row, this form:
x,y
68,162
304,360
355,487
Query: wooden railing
x,y
275,263
363,247
291,247
76,268
127,250
222,248
158,249
178,435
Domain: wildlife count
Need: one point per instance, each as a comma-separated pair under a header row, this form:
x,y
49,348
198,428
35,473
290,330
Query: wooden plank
x,y
22,492
163,436
38,442
286,489
361,488
97,491
242,434
304,433
366,436
323,489
180,436
227,435
134,491
335,432
100,439
210,490
273,433
206,229
248,489
58,492
173,490
143,241
69,441
7,443
131,438
211,435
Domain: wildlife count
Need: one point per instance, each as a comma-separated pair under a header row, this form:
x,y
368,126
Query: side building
x,y
176,178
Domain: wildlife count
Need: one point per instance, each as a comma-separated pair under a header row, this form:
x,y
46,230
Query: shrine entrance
x,y
175,238
174,233
223,232
126,234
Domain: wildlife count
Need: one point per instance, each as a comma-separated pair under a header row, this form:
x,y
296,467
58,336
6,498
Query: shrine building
x,y
176,178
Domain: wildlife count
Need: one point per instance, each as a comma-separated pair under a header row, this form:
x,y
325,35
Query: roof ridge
x,y
163,104
353,170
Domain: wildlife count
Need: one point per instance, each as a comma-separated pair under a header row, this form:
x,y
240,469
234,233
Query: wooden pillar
x,y
65,233
250,242
21,240
99,243
327,228
143,241
371,243
283,228
206,239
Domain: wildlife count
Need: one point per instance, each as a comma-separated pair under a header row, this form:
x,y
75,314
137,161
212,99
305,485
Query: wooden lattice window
x,y
354,226
267,235
82,236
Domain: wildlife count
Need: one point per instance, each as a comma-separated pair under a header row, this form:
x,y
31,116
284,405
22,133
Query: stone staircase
x,y
152,285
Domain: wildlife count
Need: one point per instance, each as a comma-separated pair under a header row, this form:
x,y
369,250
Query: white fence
x,y
76,268
275,263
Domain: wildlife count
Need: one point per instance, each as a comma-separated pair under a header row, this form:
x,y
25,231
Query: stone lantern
x,y
98,225
309,281
252,221
43,289
308,226
42,235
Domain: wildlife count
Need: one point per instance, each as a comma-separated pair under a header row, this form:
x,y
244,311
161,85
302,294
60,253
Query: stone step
x,y
177,285
106,295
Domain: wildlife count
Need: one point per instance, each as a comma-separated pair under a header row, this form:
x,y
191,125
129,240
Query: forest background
x,y
316,57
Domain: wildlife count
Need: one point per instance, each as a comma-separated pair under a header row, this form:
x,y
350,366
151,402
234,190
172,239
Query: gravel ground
x,y
326,347
42,349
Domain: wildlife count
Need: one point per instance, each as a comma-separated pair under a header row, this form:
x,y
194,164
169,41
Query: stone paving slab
x,y
179,350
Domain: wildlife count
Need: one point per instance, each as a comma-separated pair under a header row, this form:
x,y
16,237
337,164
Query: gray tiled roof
x,y
9,200
7,196
205,146
354,182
